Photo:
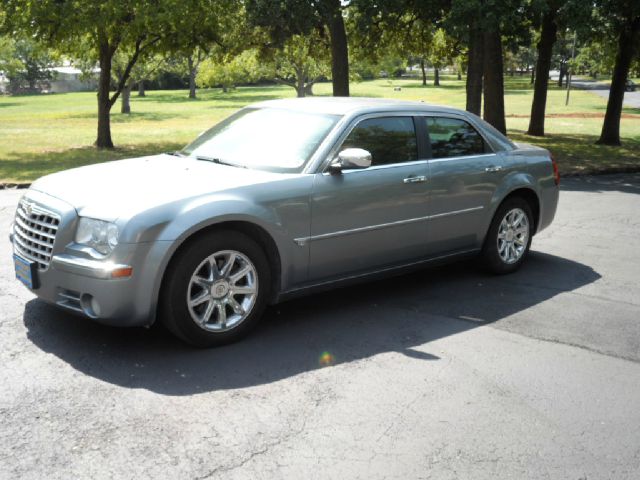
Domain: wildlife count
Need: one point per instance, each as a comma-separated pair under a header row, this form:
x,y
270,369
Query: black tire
x,y
490,256
174,311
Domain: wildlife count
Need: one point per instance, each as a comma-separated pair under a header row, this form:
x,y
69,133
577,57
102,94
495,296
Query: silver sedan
x,y
282,198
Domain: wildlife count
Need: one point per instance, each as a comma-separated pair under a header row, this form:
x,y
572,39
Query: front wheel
x,y
509,236
216,289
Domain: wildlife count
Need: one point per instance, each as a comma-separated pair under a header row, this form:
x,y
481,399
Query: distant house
x,y
71,79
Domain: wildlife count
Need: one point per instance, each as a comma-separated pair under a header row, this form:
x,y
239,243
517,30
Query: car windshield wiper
x,y
219,161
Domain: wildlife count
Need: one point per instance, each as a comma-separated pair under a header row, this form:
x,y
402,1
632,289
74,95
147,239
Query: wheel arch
x,y
531,197
258,233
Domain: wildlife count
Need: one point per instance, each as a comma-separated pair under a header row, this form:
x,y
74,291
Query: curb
x,y
596,172
14,186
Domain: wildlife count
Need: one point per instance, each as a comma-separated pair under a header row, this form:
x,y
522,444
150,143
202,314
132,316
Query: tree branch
x,y
139,48
282,81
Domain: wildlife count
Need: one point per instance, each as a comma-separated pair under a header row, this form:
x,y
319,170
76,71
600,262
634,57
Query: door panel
x,y
460,195
368,219
463,176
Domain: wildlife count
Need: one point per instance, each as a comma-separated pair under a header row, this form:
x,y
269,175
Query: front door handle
x,y
493,169
418,179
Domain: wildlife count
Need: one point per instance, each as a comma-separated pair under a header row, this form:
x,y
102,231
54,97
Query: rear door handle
x,y
493,169
418,179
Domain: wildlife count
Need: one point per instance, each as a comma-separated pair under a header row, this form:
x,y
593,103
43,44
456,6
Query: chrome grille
x,y
35,233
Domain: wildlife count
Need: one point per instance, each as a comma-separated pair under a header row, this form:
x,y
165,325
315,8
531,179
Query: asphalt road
x,y
446,373
631,99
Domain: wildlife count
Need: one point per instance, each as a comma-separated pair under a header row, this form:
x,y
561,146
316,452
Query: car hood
x,y
126,187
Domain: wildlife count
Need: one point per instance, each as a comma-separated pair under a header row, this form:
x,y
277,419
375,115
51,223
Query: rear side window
x,y
388,139
451,137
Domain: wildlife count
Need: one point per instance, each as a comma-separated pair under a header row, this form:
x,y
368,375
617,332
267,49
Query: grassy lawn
x,y
41,134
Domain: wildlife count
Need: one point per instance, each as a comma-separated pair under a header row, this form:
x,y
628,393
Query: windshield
x,y
264,138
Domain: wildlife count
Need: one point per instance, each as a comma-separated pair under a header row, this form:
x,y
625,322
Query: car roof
x,y
351,105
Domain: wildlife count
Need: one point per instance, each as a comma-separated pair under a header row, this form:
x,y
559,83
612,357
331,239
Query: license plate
x,y
26,272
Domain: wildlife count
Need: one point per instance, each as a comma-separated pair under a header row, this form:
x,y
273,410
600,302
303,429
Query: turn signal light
x,y
122,272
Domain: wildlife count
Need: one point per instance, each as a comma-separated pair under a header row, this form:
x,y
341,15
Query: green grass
x,y
41,134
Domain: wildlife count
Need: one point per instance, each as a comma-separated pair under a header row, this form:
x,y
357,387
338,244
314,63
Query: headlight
x,y
100,235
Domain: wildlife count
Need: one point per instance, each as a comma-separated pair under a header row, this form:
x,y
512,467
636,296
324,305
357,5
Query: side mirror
x,y
351,158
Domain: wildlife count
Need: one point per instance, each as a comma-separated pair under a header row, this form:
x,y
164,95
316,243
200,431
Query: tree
x,y
26,63
622,17
227,71
221,26
417,41
548,36
597,57
144,68
441,52
301,62
285,18
104,28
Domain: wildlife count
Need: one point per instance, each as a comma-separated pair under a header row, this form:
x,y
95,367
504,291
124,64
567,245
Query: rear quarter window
x,y
451,137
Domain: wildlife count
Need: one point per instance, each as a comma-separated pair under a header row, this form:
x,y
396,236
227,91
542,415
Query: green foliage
x,y
26,63
230,71
441,49
597,57
301,61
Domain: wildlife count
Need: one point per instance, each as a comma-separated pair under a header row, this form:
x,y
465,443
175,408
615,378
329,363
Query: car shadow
x,y
392,315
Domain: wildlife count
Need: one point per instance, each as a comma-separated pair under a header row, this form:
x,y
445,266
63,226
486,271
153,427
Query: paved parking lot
x,y
446,373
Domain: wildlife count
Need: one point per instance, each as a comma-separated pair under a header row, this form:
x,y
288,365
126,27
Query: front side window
x,y
264,138
451,137
388,139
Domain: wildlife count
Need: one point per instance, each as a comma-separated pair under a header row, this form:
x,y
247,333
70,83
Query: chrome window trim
x,y
380,167
304,240
353,122
462,157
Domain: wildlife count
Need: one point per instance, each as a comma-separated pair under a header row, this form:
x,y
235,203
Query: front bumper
x,y
86,286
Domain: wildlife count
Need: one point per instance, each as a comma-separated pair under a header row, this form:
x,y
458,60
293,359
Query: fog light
x,y
90,306
95,306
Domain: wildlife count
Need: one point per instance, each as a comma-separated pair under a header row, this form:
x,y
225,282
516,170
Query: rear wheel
x,y
216,289
509,236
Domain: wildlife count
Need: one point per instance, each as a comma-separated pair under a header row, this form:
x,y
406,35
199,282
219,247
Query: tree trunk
x,y
141,92
125,103
193,70
494,80
475,71
339,52
436,77
545,49
533,75
629,37
104,103
459,75
300,82
563,71
308,89
424,72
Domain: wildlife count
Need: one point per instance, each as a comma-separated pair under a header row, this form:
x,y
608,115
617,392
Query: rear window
x,y
451,137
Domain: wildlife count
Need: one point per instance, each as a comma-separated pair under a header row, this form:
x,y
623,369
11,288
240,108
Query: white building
x,y
70,79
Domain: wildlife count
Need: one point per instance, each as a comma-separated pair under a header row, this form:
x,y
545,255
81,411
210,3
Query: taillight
x,y
556,172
